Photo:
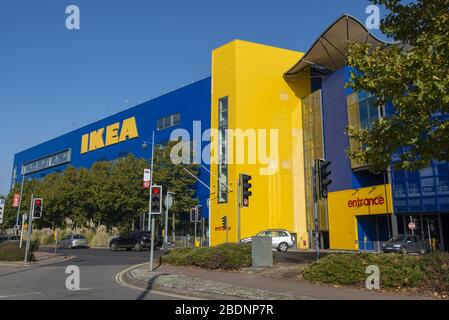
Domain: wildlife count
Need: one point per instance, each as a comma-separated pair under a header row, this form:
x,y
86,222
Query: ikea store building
x,y
302,99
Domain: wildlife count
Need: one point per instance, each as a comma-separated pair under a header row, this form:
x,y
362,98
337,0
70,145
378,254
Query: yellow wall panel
x,y
260,98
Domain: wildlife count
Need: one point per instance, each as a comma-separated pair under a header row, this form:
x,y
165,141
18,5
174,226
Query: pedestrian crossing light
x,y
323,176
245,187
156,200
37,208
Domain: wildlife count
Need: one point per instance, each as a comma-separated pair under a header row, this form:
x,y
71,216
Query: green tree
x,y
29,187
412,75
175,179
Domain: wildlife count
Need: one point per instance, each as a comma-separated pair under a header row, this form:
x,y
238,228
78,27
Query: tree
x,y
175,179
412,76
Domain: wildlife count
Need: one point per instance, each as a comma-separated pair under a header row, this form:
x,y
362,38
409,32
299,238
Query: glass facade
x,y
312,123
426,190
223,173
362,113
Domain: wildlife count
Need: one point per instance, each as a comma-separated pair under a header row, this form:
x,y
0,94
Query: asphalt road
x,y
98,270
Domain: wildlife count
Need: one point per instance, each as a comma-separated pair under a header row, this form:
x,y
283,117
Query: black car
x,y
134,240
406,244
9,239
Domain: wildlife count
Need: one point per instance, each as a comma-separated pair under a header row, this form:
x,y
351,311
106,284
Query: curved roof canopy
x,y
328,53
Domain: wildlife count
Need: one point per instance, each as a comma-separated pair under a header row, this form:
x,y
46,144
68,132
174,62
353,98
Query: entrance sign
x,y
412,226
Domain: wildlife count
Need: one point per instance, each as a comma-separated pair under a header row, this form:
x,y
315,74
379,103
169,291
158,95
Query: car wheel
x,y
404,251
113,246
138,247
283,247
70,247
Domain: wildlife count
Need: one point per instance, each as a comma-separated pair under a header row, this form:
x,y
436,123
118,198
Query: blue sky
x,y
53,80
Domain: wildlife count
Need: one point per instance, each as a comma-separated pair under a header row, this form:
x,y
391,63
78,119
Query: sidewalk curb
x,y
126,280
36,263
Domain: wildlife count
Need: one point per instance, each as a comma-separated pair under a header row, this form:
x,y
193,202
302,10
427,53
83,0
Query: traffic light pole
x,y
315,209
239,192
152,242
21,193
30,226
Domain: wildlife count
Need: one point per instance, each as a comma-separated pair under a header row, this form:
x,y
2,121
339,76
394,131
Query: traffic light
x,y
156,200
323,180
245,187
37,208
224,223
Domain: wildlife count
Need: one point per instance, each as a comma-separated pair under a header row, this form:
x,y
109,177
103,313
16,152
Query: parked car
x,y
406,244
9,239
72,241
136,240
282,239
6,238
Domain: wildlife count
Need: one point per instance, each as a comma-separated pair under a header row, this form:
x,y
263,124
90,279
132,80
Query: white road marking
x,y
119,279
21,295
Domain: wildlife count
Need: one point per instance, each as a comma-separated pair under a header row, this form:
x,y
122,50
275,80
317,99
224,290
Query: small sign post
x,y
147,179
2,209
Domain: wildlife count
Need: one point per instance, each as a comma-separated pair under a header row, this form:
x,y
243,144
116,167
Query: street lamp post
x,y
21,193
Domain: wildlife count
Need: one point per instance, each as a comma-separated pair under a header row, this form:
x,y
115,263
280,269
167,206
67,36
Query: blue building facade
x,y
124,133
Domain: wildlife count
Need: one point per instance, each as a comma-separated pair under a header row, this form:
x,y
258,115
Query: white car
x,y
73,241
282,239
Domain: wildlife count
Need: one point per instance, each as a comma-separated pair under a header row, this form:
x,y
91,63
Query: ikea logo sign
x,y
112,134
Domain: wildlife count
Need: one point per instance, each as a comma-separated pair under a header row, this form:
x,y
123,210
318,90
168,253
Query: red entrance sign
x,y
146,184
366,202
412,226
16,200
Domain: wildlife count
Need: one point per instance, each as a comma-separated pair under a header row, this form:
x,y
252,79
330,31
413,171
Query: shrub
x,y
10,251
435,266
227,257
396,271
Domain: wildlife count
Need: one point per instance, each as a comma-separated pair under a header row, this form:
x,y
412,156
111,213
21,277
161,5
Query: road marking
x,y
119,279
21,295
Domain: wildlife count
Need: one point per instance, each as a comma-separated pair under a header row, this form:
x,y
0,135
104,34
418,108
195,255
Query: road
x,y
98,270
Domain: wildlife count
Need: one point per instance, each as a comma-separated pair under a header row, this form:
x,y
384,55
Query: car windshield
x,y
79,237
398,239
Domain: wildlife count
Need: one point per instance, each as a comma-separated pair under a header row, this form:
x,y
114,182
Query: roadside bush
x,y
435,267
96,236
425,273
226,257
10,251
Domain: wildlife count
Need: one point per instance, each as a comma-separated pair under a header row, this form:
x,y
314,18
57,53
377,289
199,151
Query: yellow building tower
x,y
257,130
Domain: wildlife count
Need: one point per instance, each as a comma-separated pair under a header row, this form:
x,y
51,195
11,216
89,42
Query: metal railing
x,y
370,246
186,242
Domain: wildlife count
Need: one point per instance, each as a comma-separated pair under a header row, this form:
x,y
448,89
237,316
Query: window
x,y
362,114
223,105
47,162
312,123
169,121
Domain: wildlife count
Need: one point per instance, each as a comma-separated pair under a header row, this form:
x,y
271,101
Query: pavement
x,y
204,284
98,270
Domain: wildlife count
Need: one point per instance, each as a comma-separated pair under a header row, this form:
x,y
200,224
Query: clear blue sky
x,y
53,80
